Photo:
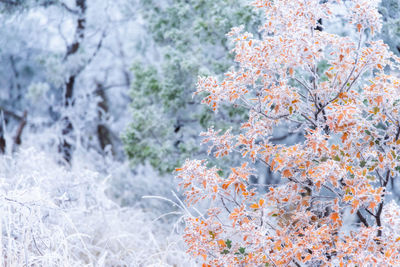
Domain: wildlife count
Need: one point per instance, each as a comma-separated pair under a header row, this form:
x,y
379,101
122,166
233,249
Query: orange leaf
x,y
318,185
340,117
254,206
221,243
226,185
287,173
350,169
305,201
344,136
355,204
347,198
379,99
335,217
298,256
278,245
372,205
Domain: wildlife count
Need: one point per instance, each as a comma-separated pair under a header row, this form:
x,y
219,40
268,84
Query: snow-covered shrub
x,y
52,216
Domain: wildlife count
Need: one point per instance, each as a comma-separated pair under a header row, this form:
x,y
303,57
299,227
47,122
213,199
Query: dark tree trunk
x,y
5,116
65,147
2,139
103,132
18,134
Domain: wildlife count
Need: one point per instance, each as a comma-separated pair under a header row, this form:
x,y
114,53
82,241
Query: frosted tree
x,y
349,115
66,59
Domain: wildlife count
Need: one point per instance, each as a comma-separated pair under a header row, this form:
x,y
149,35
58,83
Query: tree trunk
x,y
65,147
103,132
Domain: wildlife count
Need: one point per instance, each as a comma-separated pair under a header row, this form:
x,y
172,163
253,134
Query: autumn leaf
x,y
255,206
372,205
355,204
287,173
345,136
347,198
221,243
335,217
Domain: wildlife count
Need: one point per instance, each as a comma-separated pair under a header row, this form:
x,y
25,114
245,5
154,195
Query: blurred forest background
x,y
96,112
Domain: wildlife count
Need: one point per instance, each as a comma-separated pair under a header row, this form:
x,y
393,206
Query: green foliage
x,y
190,38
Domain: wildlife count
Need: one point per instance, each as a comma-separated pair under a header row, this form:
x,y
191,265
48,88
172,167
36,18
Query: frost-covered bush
x,y
51,216
189,40
391,24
